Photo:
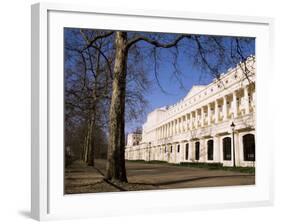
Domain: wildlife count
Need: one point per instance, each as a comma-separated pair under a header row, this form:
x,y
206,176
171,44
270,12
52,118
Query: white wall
x,y
15,110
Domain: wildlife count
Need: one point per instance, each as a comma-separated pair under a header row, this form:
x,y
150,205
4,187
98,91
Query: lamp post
x,y
233,142
149,151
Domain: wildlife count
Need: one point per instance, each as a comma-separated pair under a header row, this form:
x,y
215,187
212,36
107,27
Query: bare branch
x,y
157,43
91,42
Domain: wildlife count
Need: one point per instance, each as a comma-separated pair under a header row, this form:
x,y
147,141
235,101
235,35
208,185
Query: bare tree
x,y
88,87
209,53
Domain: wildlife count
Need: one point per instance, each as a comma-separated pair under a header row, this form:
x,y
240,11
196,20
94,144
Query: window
x,y
227,148
186,151
179,147
171,148
210,144
249,147
197,150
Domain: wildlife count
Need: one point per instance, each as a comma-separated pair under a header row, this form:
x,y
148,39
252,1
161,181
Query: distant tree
x,y
88,89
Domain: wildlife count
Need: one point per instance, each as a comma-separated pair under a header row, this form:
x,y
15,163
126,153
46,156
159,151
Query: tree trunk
x,y
90,138
90,159
115,169
87,142
85,149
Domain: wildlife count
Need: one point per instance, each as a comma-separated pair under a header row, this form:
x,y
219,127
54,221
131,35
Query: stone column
x,y
246,100
234,104
217,151
209,114
190,121
182,124
224,109
202,117
216,111
179,125
170,129
196,119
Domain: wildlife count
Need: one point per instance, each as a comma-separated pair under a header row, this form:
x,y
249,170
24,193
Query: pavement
x,y
80,178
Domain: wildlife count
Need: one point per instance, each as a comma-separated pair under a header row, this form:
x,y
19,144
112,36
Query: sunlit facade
x,y
206,125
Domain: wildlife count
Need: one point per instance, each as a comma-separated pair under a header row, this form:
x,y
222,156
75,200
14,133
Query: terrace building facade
x,y
213,123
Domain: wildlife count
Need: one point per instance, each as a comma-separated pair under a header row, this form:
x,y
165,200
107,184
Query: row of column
x,y
193,120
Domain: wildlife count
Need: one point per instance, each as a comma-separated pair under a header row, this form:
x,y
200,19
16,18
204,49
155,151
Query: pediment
x,y
194,90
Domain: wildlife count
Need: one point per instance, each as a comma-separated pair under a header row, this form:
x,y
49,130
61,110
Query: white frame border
x,y
39,96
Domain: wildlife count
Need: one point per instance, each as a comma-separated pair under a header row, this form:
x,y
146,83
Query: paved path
x,y
170,176
79,178
143,176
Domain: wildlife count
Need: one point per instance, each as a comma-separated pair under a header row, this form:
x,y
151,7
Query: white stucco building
x,y
134,139
198,128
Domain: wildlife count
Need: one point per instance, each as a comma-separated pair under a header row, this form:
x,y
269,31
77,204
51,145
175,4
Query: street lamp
x,y
233,142
149,151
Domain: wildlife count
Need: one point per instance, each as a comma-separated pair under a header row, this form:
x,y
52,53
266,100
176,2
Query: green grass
x,y
250,170
149,162
202,165
218,166
136,161
209,166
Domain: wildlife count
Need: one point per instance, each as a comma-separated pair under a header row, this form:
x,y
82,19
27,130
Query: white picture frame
x,y
48,201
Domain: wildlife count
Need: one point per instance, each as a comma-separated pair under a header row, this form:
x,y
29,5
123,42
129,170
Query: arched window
x,y
179,147
197,150
249,147
186,151
210,144
227,148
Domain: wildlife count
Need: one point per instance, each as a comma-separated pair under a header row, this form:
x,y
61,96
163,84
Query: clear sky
x,y
190,75
175,91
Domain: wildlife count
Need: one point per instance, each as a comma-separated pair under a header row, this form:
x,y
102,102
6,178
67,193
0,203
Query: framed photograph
x,y
148,111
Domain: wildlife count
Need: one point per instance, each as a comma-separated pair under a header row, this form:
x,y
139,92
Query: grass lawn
x,y
209,166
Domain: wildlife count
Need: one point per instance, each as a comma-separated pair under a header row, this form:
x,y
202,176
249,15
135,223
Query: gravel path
x,y
80,178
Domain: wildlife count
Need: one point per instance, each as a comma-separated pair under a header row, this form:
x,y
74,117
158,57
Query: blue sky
x,y
190,75
157,98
